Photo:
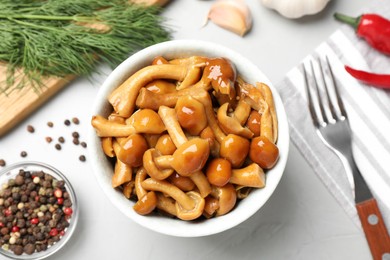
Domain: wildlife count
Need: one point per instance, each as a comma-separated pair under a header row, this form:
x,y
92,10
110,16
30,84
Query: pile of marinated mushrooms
x,y
189,137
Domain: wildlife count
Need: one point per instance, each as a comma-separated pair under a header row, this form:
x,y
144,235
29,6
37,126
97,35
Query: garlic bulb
x,y
296,8
233,15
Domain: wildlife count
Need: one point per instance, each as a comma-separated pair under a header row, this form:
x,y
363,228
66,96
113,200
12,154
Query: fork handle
x,y
374,228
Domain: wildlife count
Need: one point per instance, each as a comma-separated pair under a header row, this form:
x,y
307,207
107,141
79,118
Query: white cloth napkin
x,y
368,109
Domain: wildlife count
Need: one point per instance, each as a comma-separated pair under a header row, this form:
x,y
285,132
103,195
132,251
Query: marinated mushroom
x,y
189,205
191,115
152,169
146,204
132,149
123,98
230,125
250,176
195,212
235,149
190,157
219,171
122,172
263,152
226,197
146,121
165,145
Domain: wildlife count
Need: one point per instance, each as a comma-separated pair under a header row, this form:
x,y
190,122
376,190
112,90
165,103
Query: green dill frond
x,y
56,38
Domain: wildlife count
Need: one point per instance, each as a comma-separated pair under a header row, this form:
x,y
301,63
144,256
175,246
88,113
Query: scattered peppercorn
x,y
75,120
50,124
83,144
82,158
49,139
61,139
76,141
67,122
58,146
2,162
30,128
75,135
23,153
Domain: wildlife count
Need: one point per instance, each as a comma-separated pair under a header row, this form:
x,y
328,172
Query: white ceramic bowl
x,y
103,170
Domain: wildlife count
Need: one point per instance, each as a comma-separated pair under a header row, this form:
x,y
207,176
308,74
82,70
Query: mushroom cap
x,y
222,74
193,213
263,152
234,148
191,114
218,171
253,122
147,121
132,150
191,156
165,145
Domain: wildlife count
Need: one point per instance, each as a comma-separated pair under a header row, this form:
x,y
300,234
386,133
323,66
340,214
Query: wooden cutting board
x,y
20,103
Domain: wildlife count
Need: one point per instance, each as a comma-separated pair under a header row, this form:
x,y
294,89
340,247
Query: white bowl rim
x,y
167,225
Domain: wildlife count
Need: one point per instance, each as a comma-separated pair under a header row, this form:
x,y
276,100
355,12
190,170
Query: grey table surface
x,y
301,220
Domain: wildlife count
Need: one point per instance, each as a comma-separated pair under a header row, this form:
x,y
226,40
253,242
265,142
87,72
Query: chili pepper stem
x,y
353,21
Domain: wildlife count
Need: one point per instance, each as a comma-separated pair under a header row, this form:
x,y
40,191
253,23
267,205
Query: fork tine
x,y
320,103
338,97
309,98
329,101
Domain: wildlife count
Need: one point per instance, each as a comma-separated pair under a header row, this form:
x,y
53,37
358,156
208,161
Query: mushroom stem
x,y
123,98
106,128
166,204
165,187
267,93
204,98
242,111
151,100
201,183
152,169
250,176
169,118
230,125
140,176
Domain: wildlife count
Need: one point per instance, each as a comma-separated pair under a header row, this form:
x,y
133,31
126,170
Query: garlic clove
x,y
233,15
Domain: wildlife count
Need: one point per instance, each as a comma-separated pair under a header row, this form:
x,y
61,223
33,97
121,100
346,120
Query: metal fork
x,y
331,122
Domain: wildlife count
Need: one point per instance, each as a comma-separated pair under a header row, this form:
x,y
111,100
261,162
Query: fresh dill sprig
x,y
69,37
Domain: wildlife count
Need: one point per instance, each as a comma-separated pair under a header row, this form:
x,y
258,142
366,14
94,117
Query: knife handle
x,y
374,228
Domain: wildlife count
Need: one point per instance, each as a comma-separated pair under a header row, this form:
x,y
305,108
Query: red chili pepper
x,y
374,79
374,28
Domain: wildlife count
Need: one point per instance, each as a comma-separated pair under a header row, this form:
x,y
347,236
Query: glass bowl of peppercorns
x,y
38,210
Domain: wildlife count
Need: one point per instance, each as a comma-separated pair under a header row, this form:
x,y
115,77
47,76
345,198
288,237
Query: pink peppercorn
x,y
53,232
34,221
68,211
